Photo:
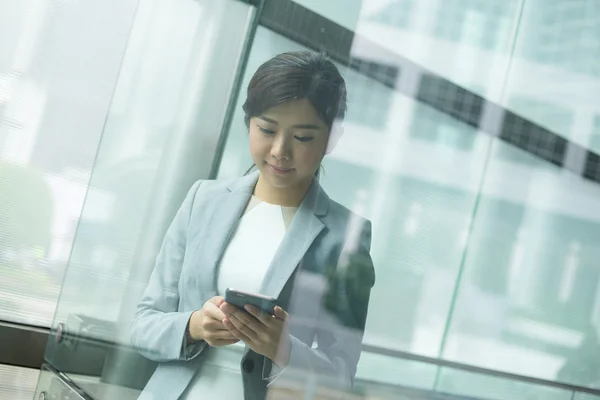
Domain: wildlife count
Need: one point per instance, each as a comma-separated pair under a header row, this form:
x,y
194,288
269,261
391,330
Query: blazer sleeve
x,y
341,321
158,329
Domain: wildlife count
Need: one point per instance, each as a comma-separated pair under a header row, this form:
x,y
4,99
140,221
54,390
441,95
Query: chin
x,y
280,182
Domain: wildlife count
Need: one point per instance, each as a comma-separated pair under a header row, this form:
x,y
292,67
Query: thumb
x,y
280,313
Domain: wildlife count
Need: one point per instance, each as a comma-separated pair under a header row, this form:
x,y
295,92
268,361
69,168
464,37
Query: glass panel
x,y
55,90
554,79
468,42
159,138
490,387
528,301
236,158
137,140
585,396
427,189
394,371
465,41
483,254
343,12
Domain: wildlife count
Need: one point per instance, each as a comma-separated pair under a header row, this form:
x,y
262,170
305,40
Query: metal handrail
x,y
369,348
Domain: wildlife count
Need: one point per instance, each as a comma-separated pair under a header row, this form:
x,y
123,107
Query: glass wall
x,y
159,137
485,255
379,168
55,90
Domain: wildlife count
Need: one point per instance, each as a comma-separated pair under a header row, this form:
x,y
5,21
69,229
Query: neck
x,y
287,197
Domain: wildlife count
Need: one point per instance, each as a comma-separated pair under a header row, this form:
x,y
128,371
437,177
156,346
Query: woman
x,y
273,232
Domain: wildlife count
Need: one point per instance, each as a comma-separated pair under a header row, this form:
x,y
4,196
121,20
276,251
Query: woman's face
x,y
288,142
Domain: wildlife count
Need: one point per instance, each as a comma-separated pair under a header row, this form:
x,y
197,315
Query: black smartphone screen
x,y
239,299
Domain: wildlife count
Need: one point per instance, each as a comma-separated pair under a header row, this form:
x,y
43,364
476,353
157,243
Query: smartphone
x,y
240,298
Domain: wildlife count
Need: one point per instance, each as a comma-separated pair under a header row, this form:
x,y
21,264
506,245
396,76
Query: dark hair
x,y
297,75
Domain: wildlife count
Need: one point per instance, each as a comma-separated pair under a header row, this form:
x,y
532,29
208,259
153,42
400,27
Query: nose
x,y
280,148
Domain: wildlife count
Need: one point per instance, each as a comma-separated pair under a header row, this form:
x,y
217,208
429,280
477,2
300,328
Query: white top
x,y
253,244
243,266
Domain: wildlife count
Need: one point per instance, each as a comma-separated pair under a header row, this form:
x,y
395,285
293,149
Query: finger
x,y
213,311
228,308
249,320
214,325
236,332
217,300
241,326
244,317
281,313
263,317
220,335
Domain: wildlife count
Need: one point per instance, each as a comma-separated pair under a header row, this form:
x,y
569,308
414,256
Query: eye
x,y
304,138
265,131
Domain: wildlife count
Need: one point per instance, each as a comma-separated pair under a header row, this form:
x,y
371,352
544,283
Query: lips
x,y
280,170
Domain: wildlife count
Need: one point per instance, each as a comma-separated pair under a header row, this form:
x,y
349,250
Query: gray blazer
x,y
321,274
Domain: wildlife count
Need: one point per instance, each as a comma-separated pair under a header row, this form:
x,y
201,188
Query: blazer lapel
x,y
303,230
226,213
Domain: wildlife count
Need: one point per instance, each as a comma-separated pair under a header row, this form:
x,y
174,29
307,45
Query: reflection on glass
x,y
417,196
555,76
485,254
274,232
51,113
527,301
141,173
491,387
585,396
394,371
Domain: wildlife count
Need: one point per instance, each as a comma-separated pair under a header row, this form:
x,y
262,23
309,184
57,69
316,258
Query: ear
x,y
334,136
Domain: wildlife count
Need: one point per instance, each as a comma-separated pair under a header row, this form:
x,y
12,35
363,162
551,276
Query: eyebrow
x,y
299,126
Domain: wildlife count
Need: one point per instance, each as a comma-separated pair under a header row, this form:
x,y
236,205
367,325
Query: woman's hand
x,y
206,324
265,334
